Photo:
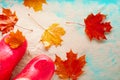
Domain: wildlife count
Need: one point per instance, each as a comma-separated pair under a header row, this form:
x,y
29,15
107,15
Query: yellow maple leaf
x,y
14,40
52,36
35,4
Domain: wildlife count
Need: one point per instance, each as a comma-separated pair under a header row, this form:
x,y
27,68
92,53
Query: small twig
x,y
36,22
24,28
74,23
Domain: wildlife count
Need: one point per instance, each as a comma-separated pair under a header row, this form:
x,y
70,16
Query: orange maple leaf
x,y
15,39
35,4
95,26
70,68
7,20
52,35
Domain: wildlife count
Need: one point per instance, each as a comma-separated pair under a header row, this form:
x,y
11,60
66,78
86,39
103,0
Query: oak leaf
x,y
70,68
52,36
35,4
14,40
7,20
96,27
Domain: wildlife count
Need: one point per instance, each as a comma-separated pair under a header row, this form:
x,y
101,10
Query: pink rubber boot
x,y
39,68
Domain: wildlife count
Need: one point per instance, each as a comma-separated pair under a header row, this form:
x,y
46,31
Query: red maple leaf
x,y
70,68
7,20
95,26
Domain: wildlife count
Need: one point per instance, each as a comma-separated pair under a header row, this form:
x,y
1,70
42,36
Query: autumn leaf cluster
x,y
95,27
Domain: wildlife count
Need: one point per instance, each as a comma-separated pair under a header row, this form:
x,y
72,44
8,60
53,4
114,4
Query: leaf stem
x,y
36,22
75,23
40,25
24,28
